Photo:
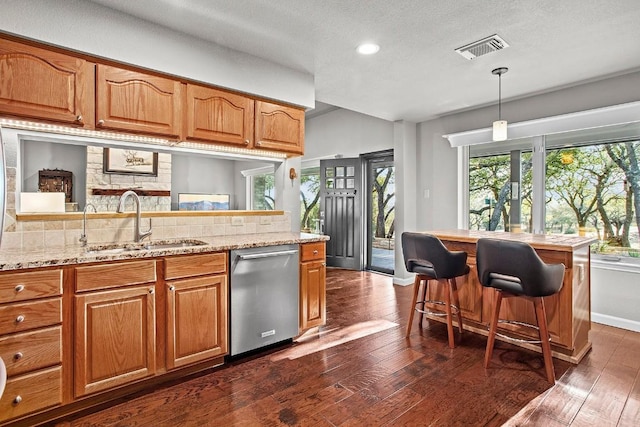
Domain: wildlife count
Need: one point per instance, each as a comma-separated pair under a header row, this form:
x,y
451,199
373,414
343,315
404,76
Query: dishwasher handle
x,y
268,254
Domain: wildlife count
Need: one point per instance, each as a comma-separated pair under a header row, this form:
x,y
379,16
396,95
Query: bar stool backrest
x,y
503,261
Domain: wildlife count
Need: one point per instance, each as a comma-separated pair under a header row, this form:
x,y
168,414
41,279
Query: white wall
x,y
346,132
614,294
90,28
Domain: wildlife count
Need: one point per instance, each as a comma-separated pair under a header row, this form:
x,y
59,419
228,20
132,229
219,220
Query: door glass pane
x,y
382,217
351,171
340,171
329,183
351,183
328,172
339,183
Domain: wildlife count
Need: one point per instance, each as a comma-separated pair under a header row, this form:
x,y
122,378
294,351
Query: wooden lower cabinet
x,y
313,288
31,392
196,319
114,338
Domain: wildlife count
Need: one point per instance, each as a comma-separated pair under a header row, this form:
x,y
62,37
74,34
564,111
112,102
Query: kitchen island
x,y
568,312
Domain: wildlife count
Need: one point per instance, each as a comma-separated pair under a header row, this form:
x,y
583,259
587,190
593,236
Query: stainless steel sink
x,y
150,246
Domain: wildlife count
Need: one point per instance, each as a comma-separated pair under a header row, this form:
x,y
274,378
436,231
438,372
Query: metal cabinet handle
x,y
172,288
100,122
315,252
17,400
19,288
324,264
247,142
79,118
18,356
20,318
152,291
259,143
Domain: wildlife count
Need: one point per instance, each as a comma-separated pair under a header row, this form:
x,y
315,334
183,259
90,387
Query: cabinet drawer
x,y
30,315
31,392
195,265
30,285
29,351
312,251
105,276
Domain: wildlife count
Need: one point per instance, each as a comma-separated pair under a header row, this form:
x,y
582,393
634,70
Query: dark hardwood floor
x,y
361,371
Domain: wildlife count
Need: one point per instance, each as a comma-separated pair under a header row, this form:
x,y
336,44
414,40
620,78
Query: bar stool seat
x,y
514,269
429,259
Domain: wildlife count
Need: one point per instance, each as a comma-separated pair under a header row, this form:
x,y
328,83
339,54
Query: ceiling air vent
x,y
482,47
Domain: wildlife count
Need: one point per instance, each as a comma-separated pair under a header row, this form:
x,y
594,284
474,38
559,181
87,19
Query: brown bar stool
x,y
514,269
426,256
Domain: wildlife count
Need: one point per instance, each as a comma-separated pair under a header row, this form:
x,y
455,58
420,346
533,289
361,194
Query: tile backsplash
x,y
36,235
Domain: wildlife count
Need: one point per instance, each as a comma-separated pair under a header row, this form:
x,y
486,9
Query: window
x,y
591,187
260,189
310,200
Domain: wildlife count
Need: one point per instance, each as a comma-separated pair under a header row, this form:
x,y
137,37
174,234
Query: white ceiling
x,y
416,75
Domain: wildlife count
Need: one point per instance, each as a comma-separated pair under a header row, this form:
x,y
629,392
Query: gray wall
x,y
201,174
88,27
346,132
37,155
437,161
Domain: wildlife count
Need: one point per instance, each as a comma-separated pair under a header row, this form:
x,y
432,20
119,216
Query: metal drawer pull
x,y
315,252
268,254
20,318
19,288
172,288
152,291
18,356
17,400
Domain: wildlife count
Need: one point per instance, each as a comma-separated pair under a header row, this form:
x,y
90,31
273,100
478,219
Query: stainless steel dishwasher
x,y
264,296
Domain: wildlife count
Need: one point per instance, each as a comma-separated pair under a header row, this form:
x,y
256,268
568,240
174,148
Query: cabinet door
x,y
313,300
279,128
136,102
114,338
42,84
219,116
196,319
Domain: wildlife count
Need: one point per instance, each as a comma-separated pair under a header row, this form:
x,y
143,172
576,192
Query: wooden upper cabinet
x,y
279,128
219,116
136,102
42,84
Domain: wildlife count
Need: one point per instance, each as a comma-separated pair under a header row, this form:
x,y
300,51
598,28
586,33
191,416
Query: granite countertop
x,y
16,260
553,242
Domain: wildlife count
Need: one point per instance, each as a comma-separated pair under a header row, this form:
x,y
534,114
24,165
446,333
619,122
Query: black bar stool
x,y
514,269
426,256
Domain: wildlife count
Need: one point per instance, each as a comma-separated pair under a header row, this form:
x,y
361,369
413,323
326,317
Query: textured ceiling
x,y
416,75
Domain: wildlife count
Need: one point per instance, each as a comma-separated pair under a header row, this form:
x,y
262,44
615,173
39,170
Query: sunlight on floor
x,y
333,337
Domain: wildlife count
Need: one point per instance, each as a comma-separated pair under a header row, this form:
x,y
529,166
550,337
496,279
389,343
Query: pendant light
x,y
499,126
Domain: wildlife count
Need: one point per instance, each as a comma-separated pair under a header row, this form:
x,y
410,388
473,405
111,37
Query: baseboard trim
x,y
403,282
617,322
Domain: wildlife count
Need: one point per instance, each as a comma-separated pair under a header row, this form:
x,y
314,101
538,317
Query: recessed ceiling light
x,y
368,48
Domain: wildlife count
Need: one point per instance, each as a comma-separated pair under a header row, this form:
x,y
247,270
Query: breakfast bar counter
x,y
568,312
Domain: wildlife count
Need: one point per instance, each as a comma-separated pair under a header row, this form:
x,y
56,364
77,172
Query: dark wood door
x,y
341,211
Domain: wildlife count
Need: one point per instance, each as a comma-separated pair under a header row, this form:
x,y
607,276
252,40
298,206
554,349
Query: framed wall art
x,y
130,161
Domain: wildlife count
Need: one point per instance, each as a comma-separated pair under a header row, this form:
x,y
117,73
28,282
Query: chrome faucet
x,y
138,236
83,237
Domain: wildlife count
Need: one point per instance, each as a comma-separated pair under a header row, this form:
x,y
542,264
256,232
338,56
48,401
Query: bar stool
x,y
426,256
514,269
